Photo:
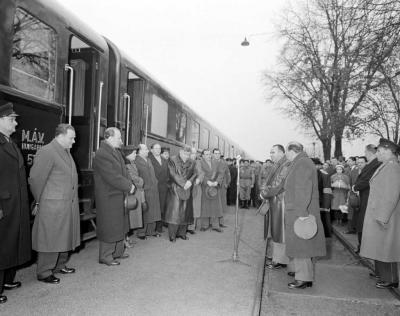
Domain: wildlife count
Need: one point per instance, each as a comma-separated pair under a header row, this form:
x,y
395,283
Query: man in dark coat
x,y
362,186
15,239
302,200
160,166
273,193
182,172
153,213
226,180
112,183
232,189
54,185
353,172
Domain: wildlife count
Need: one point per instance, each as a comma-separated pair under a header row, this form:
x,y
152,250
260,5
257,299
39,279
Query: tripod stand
x,y
236,237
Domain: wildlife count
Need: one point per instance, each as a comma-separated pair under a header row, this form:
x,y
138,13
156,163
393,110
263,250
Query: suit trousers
x,y
279,253
175,230
108,251
303,269
147,230
205,222
387,271
50,262
6,276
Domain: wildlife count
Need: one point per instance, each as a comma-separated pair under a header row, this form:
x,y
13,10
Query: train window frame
x,y
161,125
195,131
216,141
19,75
204,144
180,130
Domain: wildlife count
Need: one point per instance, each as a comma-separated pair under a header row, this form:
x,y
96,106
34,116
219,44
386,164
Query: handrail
x,y
147,122
128,104
99,115
67,67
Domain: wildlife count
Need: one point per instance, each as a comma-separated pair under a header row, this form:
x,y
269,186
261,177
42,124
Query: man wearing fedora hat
x,y
381,238
301,201
15,239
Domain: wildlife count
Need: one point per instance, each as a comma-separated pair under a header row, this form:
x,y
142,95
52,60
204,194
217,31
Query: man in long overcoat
x,y
15,234
362,186
381,238
226,180
160,166
153,214
210,204
232,189
182,172
301,200
246,182
54,185
112,184
274,193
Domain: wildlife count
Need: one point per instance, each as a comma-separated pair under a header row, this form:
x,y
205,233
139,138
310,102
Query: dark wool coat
x,y
179,205
210,207
302,199
232,189
383,243
274,193
15,233
146,172
54,184
226,180
162,174
362,186
112,183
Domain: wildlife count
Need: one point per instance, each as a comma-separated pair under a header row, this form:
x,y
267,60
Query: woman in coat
x,y
380,237
340,184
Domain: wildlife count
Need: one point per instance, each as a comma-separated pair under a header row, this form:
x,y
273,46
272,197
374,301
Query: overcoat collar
x,y
62,152
9,146
383,165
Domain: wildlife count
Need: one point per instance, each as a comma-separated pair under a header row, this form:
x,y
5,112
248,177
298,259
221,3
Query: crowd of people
x,y
191,191
361,192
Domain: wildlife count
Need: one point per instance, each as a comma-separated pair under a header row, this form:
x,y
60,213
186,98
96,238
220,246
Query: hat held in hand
x,y
305,227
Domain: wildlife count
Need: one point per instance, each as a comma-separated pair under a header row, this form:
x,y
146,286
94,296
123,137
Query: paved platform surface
x,y
159,278
342,287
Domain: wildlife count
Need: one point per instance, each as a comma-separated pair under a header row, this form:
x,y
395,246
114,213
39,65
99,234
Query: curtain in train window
x,y
33,61
195,134
180,126
159,116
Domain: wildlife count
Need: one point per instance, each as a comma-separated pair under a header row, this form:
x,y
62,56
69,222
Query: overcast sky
x,y
193,48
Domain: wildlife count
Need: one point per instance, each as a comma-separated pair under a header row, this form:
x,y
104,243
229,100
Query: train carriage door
x,y
83,64
134,97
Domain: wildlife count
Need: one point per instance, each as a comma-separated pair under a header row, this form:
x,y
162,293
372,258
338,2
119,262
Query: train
x,y
55,69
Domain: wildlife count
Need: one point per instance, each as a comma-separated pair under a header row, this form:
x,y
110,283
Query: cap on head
x,y
7,109
385,143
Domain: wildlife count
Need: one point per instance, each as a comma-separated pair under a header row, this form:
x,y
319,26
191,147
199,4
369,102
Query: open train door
x,y
135,90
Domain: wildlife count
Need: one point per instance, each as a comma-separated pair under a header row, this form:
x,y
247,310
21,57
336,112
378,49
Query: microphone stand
x,y
235,254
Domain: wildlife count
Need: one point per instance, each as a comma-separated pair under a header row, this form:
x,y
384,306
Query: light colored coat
x,y
54,184
378,242
302,199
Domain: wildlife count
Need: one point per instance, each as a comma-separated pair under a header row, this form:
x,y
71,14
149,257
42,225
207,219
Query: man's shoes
x,y
351,232
374,276
222,226
275,266
190,231
203,229
12,285
66,270
291,274
142,237
299,284
3,299
219,230
183,237
124,256
386,285
157,235
50,279
172,239
110,263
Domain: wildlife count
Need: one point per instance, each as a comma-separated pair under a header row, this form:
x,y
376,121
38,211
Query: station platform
x,y
342,286
194,277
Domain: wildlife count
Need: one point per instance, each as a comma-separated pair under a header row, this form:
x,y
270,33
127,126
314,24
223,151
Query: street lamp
x,y
245,42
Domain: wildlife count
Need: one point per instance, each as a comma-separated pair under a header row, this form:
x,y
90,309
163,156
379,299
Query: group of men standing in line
x,y
295,188
176,191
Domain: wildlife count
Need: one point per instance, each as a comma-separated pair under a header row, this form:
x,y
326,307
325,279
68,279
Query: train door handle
x,y
67,67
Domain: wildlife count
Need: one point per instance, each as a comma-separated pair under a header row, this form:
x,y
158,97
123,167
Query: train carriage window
x,y
159,115
204,138
227,153
33,56
195,134
216,141
181,120
222,146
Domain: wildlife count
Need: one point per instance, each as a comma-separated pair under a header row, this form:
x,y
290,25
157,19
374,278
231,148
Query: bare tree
x,y
331,59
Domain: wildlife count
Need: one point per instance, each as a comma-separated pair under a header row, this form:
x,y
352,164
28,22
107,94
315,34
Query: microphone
x,y
238,157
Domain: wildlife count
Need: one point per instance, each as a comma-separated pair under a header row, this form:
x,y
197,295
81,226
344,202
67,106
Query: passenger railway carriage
x,y
56,69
